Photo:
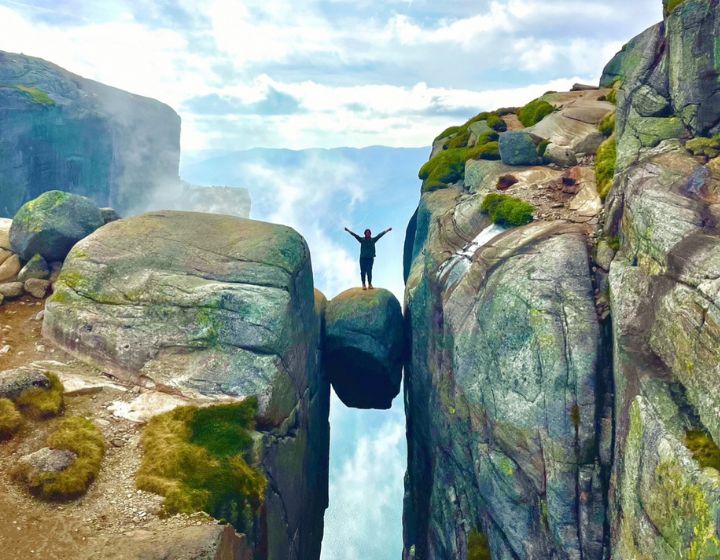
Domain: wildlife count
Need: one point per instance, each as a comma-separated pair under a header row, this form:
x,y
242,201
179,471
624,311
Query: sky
x,y
328,74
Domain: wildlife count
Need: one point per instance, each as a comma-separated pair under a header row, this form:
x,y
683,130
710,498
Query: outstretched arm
x,y
355,235
378,236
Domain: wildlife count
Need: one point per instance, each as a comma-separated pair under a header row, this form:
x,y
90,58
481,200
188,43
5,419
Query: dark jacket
x,y
367,246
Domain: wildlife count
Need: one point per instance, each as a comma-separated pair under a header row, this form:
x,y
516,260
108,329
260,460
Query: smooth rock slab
x,y
364,347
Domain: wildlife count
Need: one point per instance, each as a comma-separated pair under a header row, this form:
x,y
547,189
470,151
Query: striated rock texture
x,y
215,306
364,347
61,131
502,388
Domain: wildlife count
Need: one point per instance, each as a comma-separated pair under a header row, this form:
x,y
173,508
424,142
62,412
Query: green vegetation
x,y
447,132
39,403
703,449
542,147
83,438
507,210
671,5
612,96
614,242
534,112
196,458
478,546
607,125
605,166
10,419
708,147
37,95
449,166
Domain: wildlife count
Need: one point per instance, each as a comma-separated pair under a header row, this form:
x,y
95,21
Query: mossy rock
x,y
36,95
534,112
478,547
52,223
75,435
506,210
669,6
41,402
708,147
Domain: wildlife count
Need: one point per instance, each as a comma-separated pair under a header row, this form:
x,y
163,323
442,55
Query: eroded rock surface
x,y
213,306
364,347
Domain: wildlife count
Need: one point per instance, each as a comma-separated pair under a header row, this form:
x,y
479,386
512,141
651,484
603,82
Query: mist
x,y
319,192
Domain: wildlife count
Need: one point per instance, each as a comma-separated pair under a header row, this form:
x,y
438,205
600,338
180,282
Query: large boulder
x,y
518,148
364,347
218,307
52,223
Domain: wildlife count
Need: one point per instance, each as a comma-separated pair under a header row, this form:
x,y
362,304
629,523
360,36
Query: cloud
x,y
275,103
229,67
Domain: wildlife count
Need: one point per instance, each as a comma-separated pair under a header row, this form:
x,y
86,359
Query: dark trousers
x,y
366,269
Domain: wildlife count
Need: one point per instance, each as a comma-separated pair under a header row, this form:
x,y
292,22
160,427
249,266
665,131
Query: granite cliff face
x,y
61,131
561,387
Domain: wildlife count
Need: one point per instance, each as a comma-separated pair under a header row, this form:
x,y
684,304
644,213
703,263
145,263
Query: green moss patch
x,y
534,112
612,96
37,95
607,125
449,166
197,459
41,403
703,449
10,419
605,166
478,546
671,5
507,210
708,147
83,438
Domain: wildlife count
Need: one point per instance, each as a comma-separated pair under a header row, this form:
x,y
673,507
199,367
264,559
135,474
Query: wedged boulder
x,y
52,223
213,306
364,347
518,148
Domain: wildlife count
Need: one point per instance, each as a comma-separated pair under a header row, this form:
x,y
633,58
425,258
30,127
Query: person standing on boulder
x,y
367,254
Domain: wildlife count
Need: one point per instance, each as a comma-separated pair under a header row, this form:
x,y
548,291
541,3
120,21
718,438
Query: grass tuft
x,y
42,403
37,95
195,457
449,166
83,438
607,125
506,210
478,546
10,419
605,166
703,449
534,112
612,96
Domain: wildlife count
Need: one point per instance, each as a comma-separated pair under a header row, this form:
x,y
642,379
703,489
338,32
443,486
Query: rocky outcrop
x,y
502,386
213,307
61,131
51,224
562,406
364,347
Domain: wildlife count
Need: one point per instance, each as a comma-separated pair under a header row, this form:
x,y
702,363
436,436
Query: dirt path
x,y
84,528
